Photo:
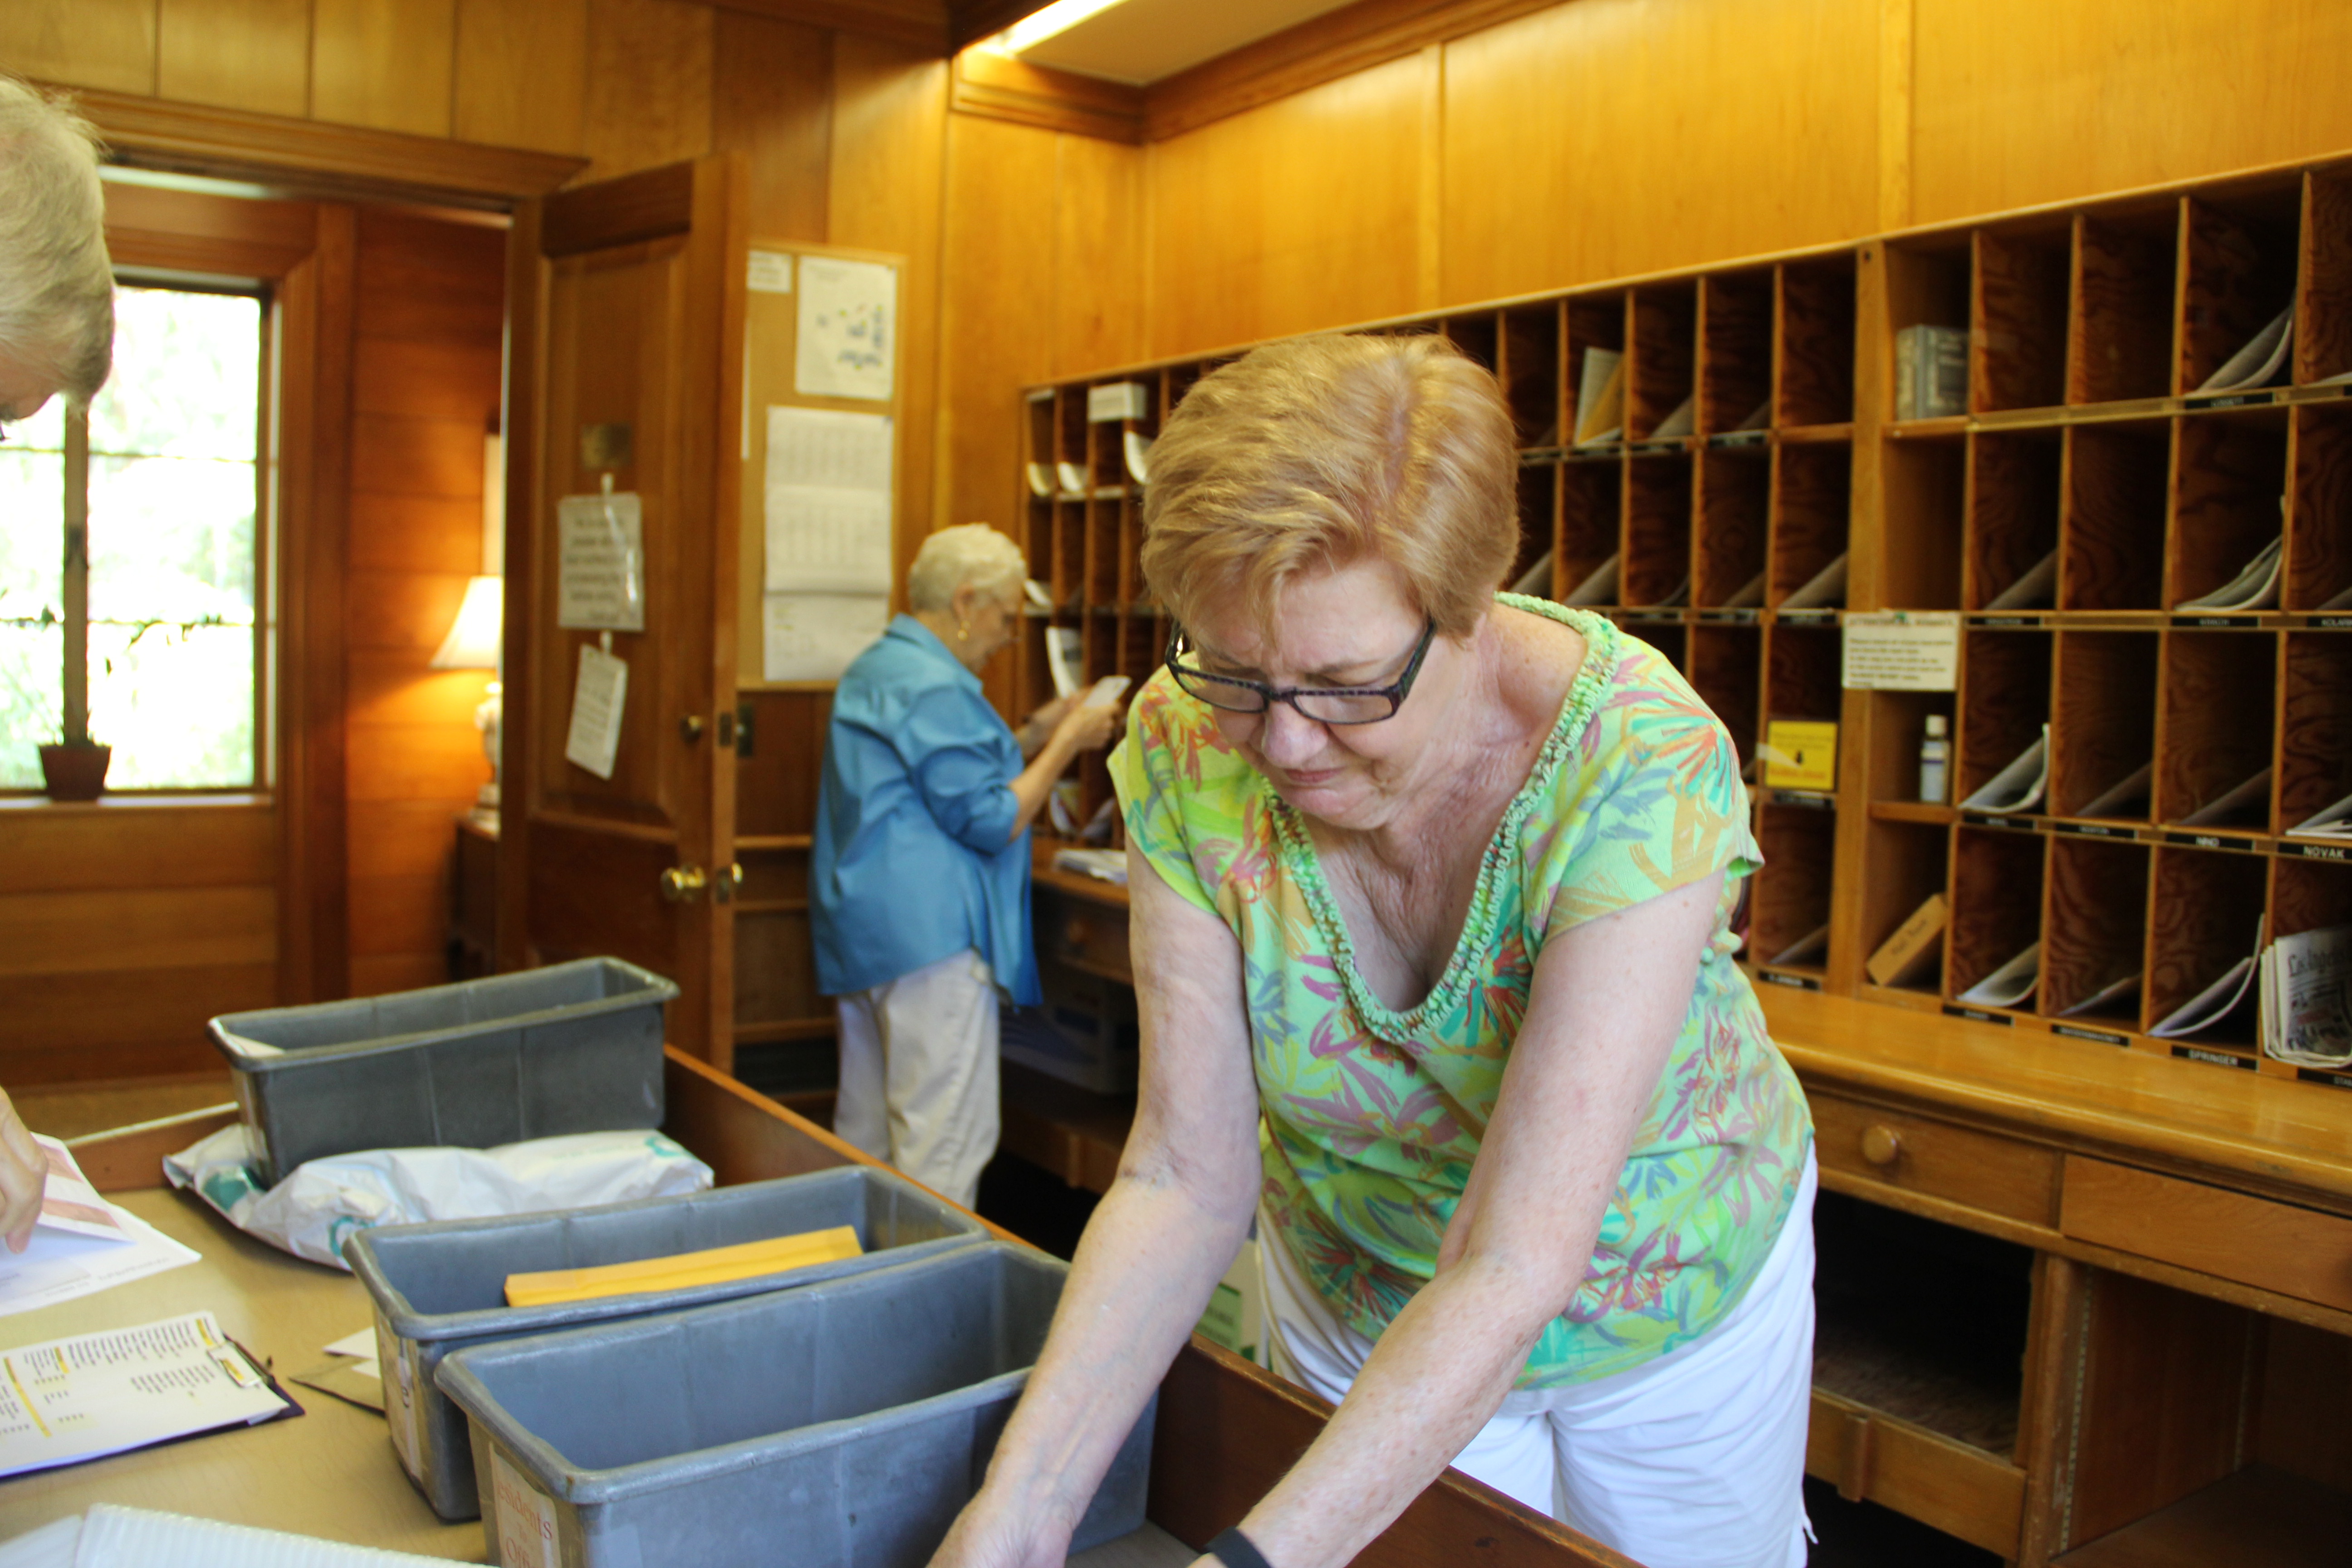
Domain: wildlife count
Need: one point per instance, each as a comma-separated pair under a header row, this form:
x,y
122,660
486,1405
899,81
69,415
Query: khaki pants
x,y
918,1073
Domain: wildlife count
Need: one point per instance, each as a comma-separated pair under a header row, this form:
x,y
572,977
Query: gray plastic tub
x,y
842,1425
440,1287
573,1048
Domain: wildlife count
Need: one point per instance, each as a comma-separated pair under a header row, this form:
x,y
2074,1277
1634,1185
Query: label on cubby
x,y
2322,1075
1655,617
2213,1058
2097,1037
2231,400
1977,1015
2013,824
2217,623
1806,617
2331,623
1536,456
1810,799
1730,618
2012,621
1794,982
2095,829
2212,841
2316,851
1655,449
1731,438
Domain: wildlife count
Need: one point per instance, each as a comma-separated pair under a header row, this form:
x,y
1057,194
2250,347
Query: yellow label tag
x,y
1799,755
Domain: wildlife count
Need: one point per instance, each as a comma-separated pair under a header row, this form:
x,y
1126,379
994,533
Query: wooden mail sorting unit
x,y
1697,543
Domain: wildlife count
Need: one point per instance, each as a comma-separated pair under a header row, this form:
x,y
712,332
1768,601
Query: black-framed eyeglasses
x,y
1323,704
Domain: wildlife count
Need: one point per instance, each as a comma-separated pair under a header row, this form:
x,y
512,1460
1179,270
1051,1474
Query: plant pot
x,y
75,772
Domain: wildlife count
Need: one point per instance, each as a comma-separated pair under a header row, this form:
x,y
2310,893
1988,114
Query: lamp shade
x,y
473,641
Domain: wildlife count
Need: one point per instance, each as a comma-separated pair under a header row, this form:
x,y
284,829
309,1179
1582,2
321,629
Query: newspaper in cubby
x,y
2257,364
2218,1002
1825,589
2010,985
2243,800
1536,581
1931,372
2017,787
1601,398
1599,587
2105,998
2131,789
1679,423
2329,822
2036,588
2255,587
2306,998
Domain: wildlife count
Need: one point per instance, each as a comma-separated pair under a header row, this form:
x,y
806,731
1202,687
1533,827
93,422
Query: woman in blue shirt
x,y
919,875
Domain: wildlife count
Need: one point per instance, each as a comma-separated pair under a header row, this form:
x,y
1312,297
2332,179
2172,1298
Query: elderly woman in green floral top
x,y
1432,899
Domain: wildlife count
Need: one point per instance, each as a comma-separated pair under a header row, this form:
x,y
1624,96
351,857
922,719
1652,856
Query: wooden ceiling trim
x,y
972,20
998,87
315,157
1339,43
925,23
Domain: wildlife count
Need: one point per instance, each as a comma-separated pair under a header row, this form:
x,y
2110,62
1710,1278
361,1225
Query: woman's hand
x,y
1047,718
1088,728
24,1177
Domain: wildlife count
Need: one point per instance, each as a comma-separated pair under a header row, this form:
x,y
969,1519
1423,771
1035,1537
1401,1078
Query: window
x,y
172,648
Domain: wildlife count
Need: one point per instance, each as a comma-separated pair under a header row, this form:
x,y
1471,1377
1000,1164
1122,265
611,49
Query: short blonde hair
x,y
56,287
970,552
1323,451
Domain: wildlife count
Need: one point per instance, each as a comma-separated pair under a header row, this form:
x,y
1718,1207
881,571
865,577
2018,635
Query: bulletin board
x,y
808,426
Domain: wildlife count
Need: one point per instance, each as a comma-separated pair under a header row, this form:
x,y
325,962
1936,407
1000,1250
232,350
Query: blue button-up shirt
x,y
911,863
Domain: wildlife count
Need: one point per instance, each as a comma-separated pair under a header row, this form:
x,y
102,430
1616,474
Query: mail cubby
x,y
1790,926
2318,573
2095,933
2213,735
1478,335
1141,640
1671,639
2103,724
1735,373
1658,376
1103,550
1922,1323
1996,903
2314,725
1591,514
2111,532
1726,669
1539,499
1033,678
1921,527
2228,499
1898,723
1927,284
1734,527
1910,864
1813,347
2322,309
1531,372
2119,340
2016,329
2013,505
1802,673
1070,432
1070,545
1595,323
1037,539
1655,568
2237,254
2308,895
2004,701
1812,508
2207,910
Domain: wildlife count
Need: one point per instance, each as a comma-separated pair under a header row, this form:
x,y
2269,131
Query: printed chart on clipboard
x,y
822,380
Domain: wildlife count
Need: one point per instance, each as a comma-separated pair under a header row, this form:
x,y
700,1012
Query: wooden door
x,y
624,359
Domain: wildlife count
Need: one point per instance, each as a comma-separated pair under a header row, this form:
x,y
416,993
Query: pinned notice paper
x,y
771,272
601,574
848,330
598,697
813,636
1902,650
828,501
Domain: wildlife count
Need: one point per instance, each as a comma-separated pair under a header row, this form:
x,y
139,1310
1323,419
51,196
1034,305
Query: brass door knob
x,y
680,884
1880,1146
1075,933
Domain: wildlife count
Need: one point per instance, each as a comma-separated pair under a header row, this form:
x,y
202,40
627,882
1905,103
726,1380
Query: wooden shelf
x,y
2258,1518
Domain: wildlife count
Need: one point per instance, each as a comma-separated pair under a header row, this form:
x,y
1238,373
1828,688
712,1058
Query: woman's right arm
x,y
1154,1250
1080,730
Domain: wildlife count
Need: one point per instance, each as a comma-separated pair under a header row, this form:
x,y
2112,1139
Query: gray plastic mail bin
x,y
439,1287
842,1425
573,1048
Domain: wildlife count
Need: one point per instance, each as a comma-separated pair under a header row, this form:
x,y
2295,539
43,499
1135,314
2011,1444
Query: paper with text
x,y
828,511
601,572
598,699
813,636
68,1400
848,329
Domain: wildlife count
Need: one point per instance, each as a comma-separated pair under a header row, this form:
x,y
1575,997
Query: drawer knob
x,y
1075,933
1880,1146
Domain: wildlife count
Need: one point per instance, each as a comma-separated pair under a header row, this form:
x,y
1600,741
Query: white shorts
x,y
1694,1460
918,1073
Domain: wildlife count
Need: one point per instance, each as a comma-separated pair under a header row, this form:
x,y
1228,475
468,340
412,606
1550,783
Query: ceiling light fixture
x,y
1055,19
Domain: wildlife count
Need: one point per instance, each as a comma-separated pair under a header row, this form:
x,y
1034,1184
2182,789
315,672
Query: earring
x,y
963,631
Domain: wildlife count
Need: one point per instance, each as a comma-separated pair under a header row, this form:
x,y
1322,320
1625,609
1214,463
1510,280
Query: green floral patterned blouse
x,y
1373,1117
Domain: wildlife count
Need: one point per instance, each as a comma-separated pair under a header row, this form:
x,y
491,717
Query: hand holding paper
x,y
23,1178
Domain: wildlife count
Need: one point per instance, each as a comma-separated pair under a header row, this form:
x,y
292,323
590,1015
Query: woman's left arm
x,y
1607,1003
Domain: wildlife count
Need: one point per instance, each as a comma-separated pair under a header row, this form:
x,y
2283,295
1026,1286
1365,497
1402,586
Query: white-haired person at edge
x,y
1432,889
57,338
920,874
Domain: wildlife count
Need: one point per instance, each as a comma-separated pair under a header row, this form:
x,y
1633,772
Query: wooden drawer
x,y
2271,1246
1999,1175
1959,1489
1088,936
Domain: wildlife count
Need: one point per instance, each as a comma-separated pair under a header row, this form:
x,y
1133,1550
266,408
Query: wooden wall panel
x,y
771,100
997,313
84,43
1296,216
1098,242
648,89
887,162
1612,137
385,64
235,54
2017,102
521,73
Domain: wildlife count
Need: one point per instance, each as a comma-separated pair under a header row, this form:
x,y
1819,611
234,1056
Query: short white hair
x,y
970,553
56,287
